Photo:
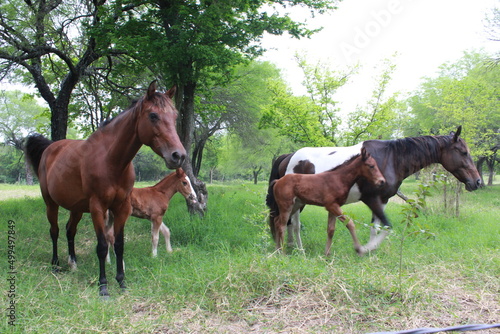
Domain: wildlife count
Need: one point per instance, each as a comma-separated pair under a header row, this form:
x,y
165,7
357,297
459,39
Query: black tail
x,y
270,201
34,147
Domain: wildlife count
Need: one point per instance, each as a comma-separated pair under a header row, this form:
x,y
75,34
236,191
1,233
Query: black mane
x,y
409,154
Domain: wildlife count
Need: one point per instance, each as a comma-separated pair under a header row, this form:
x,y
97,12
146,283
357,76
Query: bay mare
x,y
96,175
397,159
328,189
151,203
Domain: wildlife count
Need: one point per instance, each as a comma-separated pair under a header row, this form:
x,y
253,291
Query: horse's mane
x,y
414,153
347,162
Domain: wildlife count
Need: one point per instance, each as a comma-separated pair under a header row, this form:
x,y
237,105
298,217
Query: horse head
x,y
457,160
156,126
370,170
184,186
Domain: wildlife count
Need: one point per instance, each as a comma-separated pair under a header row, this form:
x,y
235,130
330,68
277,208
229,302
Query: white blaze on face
x,y
193,197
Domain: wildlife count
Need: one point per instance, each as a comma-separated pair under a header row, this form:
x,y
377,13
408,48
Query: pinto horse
x,y
397,159
151,203
96,175
328,189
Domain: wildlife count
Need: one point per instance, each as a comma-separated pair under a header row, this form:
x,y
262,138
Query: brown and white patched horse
x,y
397,159
96,175
328,189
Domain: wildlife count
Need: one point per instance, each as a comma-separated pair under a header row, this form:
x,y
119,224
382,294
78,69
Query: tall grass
x,y
223,276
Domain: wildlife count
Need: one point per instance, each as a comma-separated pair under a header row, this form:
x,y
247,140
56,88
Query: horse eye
x,y
184,183
154,117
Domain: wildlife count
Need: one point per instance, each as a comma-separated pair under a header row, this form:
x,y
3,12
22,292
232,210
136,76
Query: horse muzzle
x,y
193,199
175,159
380,183
471,185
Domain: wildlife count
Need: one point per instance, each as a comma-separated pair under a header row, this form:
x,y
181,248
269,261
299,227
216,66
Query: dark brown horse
x,y
328,189
151,203
397,159
96,175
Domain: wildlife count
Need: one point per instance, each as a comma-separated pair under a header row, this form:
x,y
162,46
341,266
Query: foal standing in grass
x,y
328,189
152,202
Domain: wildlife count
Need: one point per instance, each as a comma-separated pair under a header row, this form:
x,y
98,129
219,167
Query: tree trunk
x,y
491,168
256,173
29,174
185,128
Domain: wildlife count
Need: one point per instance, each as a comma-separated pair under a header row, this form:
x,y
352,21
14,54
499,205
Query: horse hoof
x,y
72,264
103,292
361,251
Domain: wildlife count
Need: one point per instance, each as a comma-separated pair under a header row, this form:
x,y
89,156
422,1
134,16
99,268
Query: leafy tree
x,y
201,41
20,114
235,107
465,93
50,47
296,117
322,83
316,120
375,120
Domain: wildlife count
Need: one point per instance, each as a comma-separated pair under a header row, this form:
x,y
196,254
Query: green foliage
x,y
293,116
20,114
148,165
316,120
465,93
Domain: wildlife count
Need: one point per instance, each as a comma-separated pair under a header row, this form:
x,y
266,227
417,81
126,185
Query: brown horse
x,y
152,202
96,175
328,189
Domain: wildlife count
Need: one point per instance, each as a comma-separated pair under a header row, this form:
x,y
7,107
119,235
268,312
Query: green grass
x,y
223,277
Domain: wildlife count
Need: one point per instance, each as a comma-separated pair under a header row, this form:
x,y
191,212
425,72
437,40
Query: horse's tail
x,y
34,147
270,200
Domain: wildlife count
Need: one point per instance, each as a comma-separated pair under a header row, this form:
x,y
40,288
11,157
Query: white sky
x,y
424,33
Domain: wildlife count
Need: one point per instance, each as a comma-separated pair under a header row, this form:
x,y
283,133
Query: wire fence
x,y
463,328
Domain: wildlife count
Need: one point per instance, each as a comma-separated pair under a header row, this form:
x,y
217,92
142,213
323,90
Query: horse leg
x,y
330,232
121,215
294,230
155,233
352,229
377,234
166,233
98,214
110,234
337,212
74,219
280,224
52,213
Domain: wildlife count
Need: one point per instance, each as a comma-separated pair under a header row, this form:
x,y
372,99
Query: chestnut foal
x,y
328,189
152,202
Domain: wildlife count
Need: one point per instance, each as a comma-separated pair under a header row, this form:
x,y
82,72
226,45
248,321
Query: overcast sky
x,y
424,33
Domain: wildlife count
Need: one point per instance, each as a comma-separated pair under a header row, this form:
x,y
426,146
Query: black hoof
x,y
103,292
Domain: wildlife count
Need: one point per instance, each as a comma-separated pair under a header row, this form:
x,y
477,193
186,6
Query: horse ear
x,y
456,134
151,89
364,154
171,92
180,172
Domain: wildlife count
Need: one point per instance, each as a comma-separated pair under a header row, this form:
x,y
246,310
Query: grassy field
x,y
223,276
